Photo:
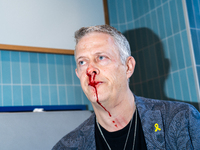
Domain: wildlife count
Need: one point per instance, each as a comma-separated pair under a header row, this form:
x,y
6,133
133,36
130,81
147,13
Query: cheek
x,y
115,74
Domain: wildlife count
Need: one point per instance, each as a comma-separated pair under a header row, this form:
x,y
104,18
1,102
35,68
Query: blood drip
x,y
93,84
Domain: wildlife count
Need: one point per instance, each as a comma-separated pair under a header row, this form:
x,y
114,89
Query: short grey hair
x,y
119,39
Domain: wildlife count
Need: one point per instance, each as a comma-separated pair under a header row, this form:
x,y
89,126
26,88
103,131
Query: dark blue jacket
x,y
178,123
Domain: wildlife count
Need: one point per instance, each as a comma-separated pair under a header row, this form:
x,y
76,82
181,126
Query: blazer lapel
x,y
152,124
153,129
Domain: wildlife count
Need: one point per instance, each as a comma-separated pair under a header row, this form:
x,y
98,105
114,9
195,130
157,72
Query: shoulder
x,y
78,137
163,105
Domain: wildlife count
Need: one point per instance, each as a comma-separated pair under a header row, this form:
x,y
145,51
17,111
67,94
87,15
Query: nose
x,y
91,70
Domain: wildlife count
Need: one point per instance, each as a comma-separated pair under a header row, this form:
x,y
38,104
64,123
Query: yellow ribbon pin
x,y
157,127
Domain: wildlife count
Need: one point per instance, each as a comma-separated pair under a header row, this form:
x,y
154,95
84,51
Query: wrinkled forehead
x,y
97,39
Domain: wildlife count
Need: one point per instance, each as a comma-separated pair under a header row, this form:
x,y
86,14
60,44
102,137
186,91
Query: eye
x,y
81,62
101,57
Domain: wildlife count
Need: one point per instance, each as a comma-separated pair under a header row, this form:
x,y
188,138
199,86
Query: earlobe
x,y
130,63
76,72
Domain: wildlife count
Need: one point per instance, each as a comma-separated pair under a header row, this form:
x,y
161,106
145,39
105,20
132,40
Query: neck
x,y
120,112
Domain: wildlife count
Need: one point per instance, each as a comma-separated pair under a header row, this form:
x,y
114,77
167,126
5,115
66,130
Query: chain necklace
x,y
127,134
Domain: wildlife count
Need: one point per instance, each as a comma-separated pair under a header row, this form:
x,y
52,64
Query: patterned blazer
x,y
166,125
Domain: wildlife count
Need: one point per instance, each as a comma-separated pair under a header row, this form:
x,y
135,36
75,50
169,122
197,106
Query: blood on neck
x,y
93,83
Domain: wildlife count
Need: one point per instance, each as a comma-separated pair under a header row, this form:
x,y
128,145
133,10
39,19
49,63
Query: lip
x,y
95,83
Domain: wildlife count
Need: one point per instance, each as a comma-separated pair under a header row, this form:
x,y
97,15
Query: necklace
x,y
127,134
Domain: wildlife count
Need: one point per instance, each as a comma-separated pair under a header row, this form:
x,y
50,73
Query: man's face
x,y
96,54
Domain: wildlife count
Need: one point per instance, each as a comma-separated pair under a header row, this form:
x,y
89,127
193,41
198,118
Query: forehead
x,y
96,42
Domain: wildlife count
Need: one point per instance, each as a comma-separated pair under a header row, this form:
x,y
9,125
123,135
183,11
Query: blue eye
x,y
81,62
101,57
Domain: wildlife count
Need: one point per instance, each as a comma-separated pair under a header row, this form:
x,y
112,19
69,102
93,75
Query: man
x,y
122,120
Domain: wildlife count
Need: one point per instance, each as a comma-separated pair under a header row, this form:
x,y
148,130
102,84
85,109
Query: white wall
x,y
47,23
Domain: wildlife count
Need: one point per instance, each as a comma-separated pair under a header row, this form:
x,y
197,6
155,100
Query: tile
x,y
16,74
161,23
123,30
7,95
120,11
17,95
36,95
75,78
68,69
148,64
152,57
130,26
192,81
45,95
145,4
71,95
151,89
54,95
195,45
141,7
184,85
163,1
157,88
170,87
198,74
60,69
43,68
78,95
165,48
143,34
112,12
86,101
186,48
181,17
62,95
149,32
174,16
145,89
135,9
162,80
154,23
177,86
142,66
25,67
34,68
51,69
196,12
26,95
159,59
157,3
190,13
128,10
138,90
179,50
5,64
152,4
167,20
172,53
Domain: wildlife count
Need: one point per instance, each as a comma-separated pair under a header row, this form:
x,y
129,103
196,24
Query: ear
x,y
77,72
130,65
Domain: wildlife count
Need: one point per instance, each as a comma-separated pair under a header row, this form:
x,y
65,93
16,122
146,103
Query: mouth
x,y
95,83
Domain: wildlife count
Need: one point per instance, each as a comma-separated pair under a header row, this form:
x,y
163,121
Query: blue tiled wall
x,y
38,79
157,34
193,8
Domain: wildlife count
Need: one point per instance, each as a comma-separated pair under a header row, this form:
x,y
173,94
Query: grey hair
x,y
119,39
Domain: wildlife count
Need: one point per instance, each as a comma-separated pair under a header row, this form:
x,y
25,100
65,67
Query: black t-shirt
x,y
116,140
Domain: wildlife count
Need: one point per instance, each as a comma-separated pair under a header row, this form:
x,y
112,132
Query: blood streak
x,y
93,83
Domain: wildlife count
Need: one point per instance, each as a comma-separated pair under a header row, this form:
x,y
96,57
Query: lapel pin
x,y
157,127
